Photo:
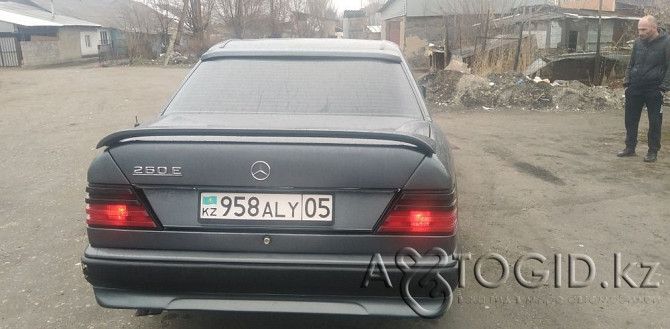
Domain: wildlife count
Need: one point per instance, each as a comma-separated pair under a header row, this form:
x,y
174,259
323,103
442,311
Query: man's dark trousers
x,y
635,101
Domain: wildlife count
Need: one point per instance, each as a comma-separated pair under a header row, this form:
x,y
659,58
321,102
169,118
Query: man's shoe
x,y
651,157
627,152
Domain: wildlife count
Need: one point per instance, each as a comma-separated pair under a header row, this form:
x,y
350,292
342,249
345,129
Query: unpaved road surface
x,y
530,182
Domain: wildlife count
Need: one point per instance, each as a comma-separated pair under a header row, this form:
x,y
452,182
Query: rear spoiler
x,y
423,144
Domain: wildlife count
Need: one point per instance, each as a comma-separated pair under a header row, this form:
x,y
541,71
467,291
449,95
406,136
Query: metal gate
x,y
8,54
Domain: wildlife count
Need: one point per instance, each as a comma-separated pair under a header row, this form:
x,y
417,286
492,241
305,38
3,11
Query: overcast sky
x,y
343,5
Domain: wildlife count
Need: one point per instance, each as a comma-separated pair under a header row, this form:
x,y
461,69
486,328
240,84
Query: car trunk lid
x,y
353,174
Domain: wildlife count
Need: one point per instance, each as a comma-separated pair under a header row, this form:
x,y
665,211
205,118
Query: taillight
x,y
116,207
427,213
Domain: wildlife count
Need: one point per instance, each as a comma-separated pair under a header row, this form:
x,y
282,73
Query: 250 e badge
x,y
157,171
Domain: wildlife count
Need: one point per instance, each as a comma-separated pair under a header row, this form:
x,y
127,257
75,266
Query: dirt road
x,y
530,182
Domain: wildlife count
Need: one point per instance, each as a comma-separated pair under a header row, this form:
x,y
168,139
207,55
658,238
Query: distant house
x,y
567,40
414,24
127,25
354,24
555,27
31,36
569,29
580,31
310,26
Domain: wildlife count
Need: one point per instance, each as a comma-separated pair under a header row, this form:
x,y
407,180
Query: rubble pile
x,y
177,59
514,90
441,86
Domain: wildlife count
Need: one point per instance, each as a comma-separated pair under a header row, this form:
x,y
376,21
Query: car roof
x,y
332,48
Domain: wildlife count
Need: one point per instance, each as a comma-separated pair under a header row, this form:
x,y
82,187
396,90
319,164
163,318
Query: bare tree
x,y
309,17
320,11
238,14
480,31
660,10
194,15
198,17
163,10
279,13
137,30
321,8
297,5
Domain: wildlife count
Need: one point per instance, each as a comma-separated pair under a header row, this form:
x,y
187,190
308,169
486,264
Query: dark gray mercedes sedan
x,y
301,176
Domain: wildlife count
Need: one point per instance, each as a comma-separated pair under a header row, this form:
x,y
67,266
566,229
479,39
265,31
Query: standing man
x,y
647,80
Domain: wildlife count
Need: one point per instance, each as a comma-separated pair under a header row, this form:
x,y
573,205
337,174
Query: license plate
x,y
258,206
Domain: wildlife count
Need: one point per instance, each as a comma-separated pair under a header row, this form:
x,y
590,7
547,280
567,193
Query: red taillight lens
x,y
429,213
116,207
118,216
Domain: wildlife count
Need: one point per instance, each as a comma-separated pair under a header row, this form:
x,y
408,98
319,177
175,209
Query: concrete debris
x,y
457,65
176,59
515,90
538,80
537,65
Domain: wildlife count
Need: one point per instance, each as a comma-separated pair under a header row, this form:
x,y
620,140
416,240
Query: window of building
x,y
104,40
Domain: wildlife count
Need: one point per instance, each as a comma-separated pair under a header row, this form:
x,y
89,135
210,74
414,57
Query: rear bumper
x,y
291,283
369,306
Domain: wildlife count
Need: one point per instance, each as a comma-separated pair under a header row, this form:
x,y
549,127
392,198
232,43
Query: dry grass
x,y
501,59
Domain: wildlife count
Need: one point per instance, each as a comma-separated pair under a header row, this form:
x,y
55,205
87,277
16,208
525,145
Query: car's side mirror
x,y
423,90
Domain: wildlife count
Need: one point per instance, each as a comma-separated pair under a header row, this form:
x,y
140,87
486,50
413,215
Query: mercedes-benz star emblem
x,y
260,170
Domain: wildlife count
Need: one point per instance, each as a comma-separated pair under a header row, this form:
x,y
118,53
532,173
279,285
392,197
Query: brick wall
x,y
40,53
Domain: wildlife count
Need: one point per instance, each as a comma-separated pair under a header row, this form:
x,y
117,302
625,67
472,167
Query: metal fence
x,y
9,55
112,54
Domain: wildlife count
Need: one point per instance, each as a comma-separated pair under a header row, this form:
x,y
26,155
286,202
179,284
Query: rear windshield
x,y
298,86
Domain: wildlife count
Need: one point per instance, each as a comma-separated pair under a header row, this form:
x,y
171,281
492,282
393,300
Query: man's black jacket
x,y
649,66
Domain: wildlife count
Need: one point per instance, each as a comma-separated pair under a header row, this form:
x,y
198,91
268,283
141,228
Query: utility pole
x,y
447,51
518,47
597,77
176,36
486,30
